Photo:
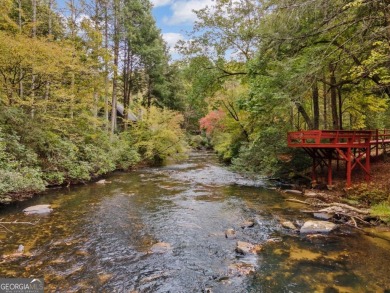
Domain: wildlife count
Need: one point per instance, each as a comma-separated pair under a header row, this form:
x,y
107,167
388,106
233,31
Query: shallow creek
x,y
101,238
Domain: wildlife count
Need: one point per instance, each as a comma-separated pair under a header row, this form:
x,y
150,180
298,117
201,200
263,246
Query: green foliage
x,y
55,79
382,210
125,152
19,172
159,136
369,193
198,142
21,181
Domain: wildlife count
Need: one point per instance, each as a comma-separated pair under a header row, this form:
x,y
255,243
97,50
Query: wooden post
x,y
368,167
376,142
349,166
313,169
330,168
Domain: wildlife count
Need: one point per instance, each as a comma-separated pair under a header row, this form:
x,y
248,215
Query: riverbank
x,y
372,196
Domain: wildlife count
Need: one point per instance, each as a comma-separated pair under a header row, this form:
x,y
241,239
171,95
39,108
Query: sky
x,y
175,18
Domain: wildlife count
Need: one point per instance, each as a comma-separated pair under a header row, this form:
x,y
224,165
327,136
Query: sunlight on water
x,y
163,229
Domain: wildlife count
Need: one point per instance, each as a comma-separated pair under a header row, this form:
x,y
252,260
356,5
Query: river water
x,y
102,238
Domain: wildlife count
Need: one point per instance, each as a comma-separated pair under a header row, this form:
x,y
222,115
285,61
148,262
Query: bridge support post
x,y
313,169
349,166
330,169
368,166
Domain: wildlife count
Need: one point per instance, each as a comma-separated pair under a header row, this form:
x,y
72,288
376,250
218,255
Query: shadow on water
x,y
163,230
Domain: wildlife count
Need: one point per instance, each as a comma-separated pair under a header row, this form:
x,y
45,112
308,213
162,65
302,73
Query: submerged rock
x,y
288,225
293,191
241,269
247,224
247,248
314,227
323,216
102,181
160,247
310,193
20,248
38,209
230,233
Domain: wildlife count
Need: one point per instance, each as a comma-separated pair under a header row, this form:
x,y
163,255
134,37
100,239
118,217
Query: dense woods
x,y
93,89
82,92
270,66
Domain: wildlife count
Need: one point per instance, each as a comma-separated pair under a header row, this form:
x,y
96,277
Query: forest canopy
x,y
81,92
274,66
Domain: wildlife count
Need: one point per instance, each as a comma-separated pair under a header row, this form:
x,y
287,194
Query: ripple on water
x,y
100,238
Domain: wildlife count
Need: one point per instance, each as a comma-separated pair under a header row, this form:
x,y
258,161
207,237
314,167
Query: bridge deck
x,y
355,147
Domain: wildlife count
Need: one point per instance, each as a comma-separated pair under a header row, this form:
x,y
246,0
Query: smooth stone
x,y
274,240
323,216
20,248
247,224
288,225
240,269
293,191
102,181
312,227
247,248
160,247
38,209
230,233
309,193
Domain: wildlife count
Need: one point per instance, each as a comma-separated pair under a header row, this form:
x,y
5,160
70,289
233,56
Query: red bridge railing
x,y
329,138
352,146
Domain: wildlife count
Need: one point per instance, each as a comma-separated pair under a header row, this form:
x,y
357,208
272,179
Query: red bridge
x,y
354,147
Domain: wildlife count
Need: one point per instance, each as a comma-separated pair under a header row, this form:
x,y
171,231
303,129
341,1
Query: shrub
x,y
382,210
159,136
369,193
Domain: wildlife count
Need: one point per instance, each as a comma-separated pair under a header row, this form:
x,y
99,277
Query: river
x,y
102,238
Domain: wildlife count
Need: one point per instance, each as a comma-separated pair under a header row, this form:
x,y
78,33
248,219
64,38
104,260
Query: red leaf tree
x,y
212,121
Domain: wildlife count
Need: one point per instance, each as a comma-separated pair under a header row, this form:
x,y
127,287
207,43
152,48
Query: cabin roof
x,y
130,115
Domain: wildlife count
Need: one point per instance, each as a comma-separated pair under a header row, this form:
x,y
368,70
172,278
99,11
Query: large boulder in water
x,y
312,227
40,209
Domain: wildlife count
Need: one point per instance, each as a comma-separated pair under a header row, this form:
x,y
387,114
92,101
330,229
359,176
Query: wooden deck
x,y
354,147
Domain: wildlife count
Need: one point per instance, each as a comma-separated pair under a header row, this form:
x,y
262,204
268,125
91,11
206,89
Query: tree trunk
x,y
316,107
340,108
34,35
126,87
128,83
115,73
50,18
333,97
325,93
149,93
106,81
34,18
305,116
47,89
20,70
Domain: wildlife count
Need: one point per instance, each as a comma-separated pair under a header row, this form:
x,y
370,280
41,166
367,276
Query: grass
x,y
381,210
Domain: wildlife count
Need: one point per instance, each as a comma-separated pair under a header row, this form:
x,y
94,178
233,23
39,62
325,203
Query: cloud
x,y
81,17
182,11
159,3
171,39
